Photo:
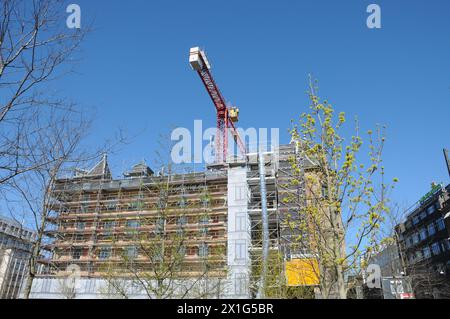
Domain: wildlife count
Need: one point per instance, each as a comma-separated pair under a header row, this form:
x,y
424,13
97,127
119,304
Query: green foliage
x,y
346,192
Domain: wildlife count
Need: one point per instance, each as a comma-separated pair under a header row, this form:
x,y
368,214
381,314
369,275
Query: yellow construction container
x,y
302,272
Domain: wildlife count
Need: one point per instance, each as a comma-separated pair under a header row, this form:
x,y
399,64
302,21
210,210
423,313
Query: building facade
x,y
188,235
423,241
395,284
15,248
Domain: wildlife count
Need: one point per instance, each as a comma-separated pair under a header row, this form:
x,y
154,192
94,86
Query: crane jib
x,y
225,116
212,89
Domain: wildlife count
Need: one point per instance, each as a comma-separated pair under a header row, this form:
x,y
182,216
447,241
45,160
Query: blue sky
x,y
134,72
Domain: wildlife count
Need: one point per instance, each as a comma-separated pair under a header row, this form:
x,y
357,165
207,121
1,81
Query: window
x,y
408,224
111,206
205,201
431,229
135,205
440,224
84,208
430,210
80,225
203,230
140,196
415,220
419,255
109,225
415,238
446,243
182,251
240,250
324,191
239,193
161,203
131,252
76,254
423,234
182,221
215,219
214,234
133,224
436,249
203,250
241,222
423,215
158,256
241,284
183,202
160,225
426,252
408,242
204,220
105,253
191,251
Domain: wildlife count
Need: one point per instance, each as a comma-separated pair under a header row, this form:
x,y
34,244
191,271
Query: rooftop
x,y
427,199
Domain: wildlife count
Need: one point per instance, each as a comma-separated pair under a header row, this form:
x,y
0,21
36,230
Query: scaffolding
x,y
97,219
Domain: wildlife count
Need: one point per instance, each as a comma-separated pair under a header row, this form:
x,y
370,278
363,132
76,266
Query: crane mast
x,y
226,116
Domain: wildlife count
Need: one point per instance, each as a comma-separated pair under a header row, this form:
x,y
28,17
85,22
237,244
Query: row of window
x,y
160,223
15,231
426,212
425,232
141,195
240,251
140,205
12,242
132,252
435,249
134,234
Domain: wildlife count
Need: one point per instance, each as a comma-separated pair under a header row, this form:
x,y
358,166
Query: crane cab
x,y
233,114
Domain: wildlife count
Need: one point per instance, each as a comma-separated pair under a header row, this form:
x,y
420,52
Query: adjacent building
x,y
424,246
395,284
15,248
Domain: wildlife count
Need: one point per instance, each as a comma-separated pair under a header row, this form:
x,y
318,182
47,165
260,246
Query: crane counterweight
x,y
198,59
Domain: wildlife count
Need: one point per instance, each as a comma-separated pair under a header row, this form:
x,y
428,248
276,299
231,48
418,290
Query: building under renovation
x,y
219,233
165,235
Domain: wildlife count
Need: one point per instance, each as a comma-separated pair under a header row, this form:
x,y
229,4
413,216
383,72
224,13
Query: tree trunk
x,y
33,259
32,271
341,283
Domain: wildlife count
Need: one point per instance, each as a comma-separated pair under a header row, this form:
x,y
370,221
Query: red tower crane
x,y
226,116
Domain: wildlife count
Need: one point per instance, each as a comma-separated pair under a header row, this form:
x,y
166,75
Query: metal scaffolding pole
x,y
265,226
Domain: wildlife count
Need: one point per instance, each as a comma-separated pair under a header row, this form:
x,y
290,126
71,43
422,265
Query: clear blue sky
x,y
135,71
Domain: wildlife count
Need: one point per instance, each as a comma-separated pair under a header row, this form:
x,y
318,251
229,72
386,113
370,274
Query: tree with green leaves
x,y
345,198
